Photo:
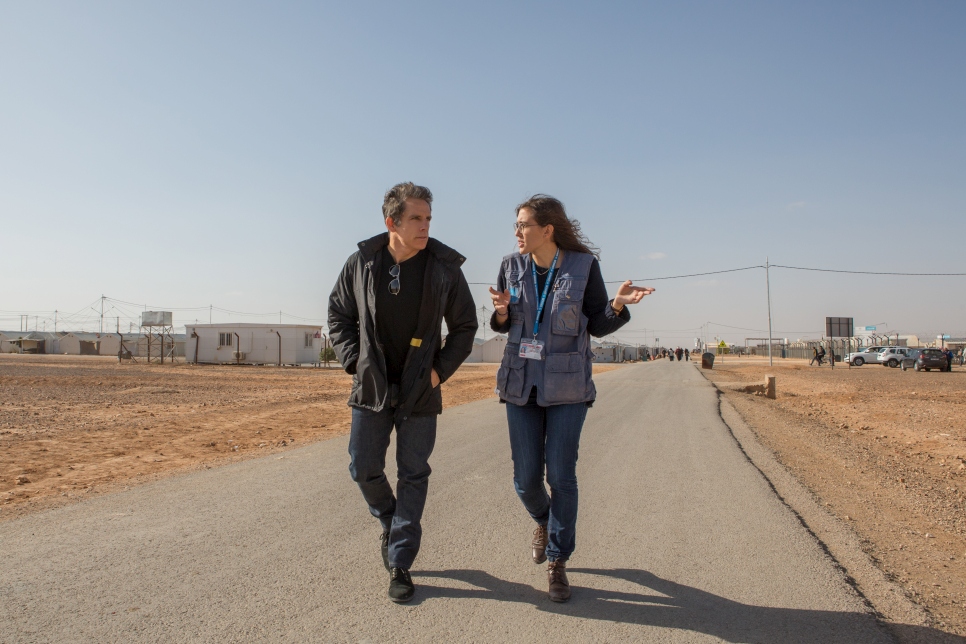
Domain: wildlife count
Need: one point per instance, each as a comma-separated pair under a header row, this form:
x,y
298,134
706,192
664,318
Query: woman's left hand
x,y
630,294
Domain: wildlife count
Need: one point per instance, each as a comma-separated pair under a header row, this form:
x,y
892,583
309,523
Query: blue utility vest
x,y
565,373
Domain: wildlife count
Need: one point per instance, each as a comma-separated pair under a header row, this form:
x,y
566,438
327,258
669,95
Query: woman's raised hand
x,y
630,294
500,300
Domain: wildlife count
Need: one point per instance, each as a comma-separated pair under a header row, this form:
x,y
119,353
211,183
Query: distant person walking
x,y
385,317
814,357
550,298
679,353
687,356
820,356
949,359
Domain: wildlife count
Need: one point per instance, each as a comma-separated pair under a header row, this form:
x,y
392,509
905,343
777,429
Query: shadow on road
x,y
666,604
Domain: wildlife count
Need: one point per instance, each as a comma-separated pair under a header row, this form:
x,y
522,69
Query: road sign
x,y
839,327
722,345
870,328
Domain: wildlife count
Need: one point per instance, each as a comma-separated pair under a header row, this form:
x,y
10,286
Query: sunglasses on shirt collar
x,y
394,285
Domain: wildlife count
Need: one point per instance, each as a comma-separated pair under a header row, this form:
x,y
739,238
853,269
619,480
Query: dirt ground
x,y
884,450
73,426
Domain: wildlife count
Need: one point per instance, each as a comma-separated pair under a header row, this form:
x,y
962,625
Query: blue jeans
x,y
401,513
548,438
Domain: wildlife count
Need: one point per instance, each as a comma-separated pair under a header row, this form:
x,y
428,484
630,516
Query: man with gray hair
x,y
385,320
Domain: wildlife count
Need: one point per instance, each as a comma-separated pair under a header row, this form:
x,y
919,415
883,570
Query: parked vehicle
x,y
892,356
909,360
930,359
869,354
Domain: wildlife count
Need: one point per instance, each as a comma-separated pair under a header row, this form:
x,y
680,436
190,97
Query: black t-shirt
x,y
398,315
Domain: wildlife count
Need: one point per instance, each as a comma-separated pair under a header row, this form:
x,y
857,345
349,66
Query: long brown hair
x,y
567,235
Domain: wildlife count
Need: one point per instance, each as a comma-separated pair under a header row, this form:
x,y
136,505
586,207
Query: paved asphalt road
x,y
679,539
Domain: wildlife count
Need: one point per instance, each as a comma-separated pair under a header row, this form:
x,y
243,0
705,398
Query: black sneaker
x,y
401,587
385,549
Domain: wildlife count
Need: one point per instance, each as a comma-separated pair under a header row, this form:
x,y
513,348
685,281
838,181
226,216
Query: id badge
x,y
532,349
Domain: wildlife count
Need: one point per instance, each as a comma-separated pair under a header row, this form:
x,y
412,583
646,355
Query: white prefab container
x,y
8,340
489,350
111,343
174,345
241,343
493,349
605,353
80,344
476,355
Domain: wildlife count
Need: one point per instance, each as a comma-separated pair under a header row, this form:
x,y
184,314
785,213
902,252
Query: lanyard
x,y
546,289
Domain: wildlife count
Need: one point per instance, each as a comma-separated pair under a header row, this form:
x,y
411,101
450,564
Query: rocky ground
x,y
74,426
884,450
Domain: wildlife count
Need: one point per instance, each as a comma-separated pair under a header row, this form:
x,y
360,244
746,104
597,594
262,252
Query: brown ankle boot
x,y
539,544
559,585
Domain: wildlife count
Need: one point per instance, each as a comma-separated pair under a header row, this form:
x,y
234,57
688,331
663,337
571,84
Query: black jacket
x,y
352,327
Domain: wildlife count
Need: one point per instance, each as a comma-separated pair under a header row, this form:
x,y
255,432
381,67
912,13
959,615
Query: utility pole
x,y
102,313
55,320
210,306
768,288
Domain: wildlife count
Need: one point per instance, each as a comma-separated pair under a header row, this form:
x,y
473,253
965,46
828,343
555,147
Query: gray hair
x,y
394,203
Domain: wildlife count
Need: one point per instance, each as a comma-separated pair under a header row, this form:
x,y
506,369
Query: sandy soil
x,y
884,450
73,426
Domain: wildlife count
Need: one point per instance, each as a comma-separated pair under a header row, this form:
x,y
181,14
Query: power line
x,y
675,277
794,268
832,270
654,279
741,328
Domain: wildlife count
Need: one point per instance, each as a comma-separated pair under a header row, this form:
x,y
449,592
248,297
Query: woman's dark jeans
x,y
548,438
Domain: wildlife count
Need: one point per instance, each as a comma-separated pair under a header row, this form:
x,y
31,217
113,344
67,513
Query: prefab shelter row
x,y
21,342
89,344
138,345
248,343
490,350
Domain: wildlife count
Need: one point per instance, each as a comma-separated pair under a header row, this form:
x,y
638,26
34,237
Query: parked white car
x,y
869,354
892,356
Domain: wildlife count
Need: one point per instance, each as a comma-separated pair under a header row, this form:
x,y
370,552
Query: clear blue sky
x,y
182,154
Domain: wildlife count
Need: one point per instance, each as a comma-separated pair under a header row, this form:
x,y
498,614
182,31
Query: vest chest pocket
x,y
568,301
566,316
514,285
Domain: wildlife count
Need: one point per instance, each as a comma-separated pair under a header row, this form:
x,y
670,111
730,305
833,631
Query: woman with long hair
x,y
550,297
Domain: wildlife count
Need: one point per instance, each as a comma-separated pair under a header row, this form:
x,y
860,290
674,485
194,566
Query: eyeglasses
x,y
517,225
394,285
